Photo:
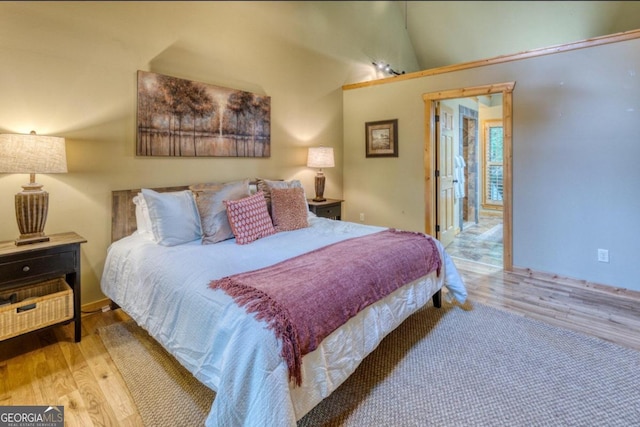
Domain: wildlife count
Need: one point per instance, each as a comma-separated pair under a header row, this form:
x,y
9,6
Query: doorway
x,y
433,163
478,203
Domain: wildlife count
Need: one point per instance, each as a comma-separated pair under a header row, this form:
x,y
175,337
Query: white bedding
x,y
165,290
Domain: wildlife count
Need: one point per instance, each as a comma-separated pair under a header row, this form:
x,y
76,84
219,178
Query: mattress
x,y
165,290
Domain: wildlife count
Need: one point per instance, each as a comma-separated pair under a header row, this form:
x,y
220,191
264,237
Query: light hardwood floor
x,y
48,368
612,314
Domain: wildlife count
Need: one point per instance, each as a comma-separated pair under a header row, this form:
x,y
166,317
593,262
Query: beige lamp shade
x,y
320,157
32,154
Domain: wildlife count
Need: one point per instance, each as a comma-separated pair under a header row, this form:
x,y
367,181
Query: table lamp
x,y
32,154
320,157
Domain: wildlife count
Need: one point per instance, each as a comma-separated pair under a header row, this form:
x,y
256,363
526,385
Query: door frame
x,y
431,183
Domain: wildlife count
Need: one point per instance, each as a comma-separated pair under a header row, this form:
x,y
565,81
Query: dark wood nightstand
x,y
26,266
330,208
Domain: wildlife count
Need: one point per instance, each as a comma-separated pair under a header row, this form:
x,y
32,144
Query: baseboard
x,y
569,281
103,304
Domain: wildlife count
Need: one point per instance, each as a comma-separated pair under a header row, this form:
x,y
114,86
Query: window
x,y
493,168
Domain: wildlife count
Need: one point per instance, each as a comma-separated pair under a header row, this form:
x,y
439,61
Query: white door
x,y
445,228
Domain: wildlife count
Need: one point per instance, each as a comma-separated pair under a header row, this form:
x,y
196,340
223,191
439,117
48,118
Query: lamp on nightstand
x,y
320,157
32,154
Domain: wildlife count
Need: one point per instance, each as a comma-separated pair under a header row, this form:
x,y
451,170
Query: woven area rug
x,y
165,393
442,367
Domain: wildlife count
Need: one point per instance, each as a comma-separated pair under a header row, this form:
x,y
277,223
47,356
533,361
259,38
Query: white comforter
x,y
165,290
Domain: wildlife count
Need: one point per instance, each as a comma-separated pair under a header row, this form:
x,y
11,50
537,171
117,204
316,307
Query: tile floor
x,y
480,242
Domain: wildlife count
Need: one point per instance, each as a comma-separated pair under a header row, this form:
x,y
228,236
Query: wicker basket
x,y
36,306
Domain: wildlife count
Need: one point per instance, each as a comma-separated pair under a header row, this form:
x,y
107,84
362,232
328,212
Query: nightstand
x,y
26,269
330,208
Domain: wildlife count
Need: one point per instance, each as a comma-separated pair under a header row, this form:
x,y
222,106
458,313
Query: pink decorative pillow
x,y
249,218
288,209
266,185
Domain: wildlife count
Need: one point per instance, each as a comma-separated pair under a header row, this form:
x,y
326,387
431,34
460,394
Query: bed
x,y
166,289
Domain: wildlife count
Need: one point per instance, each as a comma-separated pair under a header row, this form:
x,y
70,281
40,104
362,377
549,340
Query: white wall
x,y
69,69
575,154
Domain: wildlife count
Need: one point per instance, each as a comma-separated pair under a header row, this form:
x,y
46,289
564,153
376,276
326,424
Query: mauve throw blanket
x,y
305,298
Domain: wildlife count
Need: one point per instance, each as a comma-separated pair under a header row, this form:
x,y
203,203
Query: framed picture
x,y
381,138
183,118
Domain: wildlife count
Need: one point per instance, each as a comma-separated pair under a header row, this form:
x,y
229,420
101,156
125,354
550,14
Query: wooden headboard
x,y
123,211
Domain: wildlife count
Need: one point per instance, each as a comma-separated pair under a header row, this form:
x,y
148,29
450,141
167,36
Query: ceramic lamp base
x,y
32,206
320,178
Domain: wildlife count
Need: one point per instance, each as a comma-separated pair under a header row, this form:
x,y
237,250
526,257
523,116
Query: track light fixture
x,y
386,68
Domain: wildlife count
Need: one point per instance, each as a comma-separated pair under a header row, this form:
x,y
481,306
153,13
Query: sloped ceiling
x,y
453,32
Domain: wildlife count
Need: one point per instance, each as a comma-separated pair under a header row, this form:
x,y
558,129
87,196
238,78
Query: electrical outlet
x,y
361,216
603,255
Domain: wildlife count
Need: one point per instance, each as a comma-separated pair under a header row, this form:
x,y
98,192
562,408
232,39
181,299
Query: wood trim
x,y
591,42
486,204
91,307
430,159
468,92
507,190
429,166
578,283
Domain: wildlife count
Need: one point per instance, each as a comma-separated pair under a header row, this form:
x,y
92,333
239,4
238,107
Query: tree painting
x,y
181,118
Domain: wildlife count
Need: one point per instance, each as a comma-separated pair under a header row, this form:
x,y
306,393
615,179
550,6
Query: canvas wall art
x,y
182,118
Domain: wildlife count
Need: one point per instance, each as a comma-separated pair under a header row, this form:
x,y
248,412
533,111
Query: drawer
x,y
328,211
36,266
332,212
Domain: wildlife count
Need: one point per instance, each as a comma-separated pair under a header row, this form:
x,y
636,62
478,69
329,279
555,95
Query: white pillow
x,y
143,222
174,216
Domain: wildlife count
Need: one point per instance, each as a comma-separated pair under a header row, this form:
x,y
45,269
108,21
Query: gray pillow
x,y
213,213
